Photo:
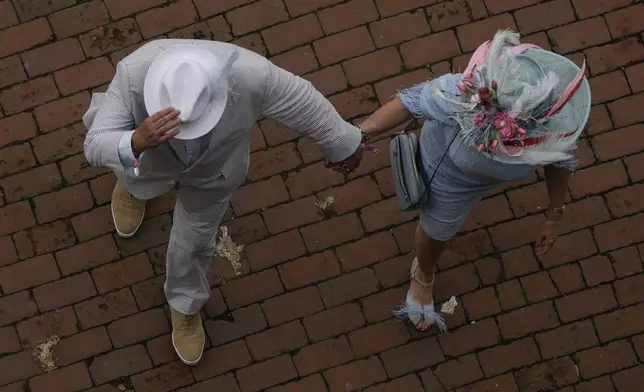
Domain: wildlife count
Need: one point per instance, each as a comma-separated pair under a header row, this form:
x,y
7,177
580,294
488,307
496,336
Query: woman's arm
x,y
389,116
557,183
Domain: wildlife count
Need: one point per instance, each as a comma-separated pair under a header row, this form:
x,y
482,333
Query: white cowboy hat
x,y
192,80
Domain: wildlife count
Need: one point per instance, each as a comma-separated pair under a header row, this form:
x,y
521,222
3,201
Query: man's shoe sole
x,y
189,363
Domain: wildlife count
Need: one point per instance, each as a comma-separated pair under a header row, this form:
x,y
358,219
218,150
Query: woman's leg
x,y
428,250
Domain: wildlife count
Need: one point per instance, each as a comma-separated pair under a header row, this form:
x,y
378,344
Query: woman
x,y
515,107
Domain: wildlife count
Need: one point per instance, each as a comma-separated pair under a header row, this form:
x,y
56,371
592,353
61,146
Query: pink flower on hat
x,y
506,125
479,119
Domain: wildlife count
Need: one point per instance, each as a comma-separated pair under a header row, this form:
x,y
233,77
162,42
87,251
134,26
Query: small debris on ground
x,y
230,251
449,306
44,353
325,204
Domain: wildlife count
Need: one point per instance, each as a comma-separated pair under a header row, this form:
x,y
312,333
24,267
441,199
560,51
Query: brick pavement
x,y
312,309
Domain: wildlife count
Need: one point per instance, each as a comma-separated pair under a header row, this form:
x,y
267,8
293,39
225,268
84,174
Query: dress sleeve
x,y
432,100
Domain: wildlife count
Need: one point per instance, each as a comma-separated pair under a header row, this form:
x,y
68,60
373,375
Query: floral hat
x,y
521,104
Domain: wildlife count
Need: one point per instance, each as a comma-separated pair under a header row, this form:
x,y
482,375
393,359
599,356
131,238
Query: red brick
x,y
471,36
272,190
83,76
257,141
580,35
584,213
408,383
274,132
252,288
630,291
323,355
256,16
344,45
202,31
516,233
62,112
16,307
247,229
398,29
355,102
621,110
328,80
378,337
369,250
535,18
244,321
64,292
11,70
548,375
511,295
599,120
24,36
392,7
252,42
481,304
9,254
527,320
43,239
122,273
39,329
618,143
269,162
608,87
275,250
455,12
629,380
498,6
292,215
333,322
586,303
139,327
609,57
9,342
314,383
602,384
635,75
383,214
110,38
60,144
277,341
63,203
226,383
567,339
607,359
29,94
460,371
78,19
489,270
77,258
310,269
504,383
519,262
292,305
71,378
311,179
597,270
332,232
373,66
430,49
119,363
266,374
221,360
106,308
76,169
17,367
626,201
470,337
102,188
358,375
627,261
167,377
14,217
52,57
619,233
28,273
596,7
529,199
347,15
8,17
150,293
517,354
17,128
298,61
161,20
388,88
348,287
153,232
588,182
412,357
380,306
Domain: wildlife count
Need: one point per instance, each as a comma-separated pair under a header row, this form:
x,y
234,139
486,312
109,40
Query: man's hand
x,y
350,164
547,238
156,129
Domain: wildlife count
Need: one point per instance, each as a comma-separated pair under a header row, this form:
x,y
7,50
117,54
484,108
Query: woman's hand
x,y
350,164
547,238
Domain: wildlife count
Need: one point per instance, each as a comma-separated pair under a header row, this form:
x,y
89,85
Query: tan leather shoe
x,y
188,337
127,212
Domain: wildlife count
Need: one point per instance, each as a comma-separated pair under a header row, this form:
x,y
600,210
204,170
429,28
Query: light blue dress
x,y
465,175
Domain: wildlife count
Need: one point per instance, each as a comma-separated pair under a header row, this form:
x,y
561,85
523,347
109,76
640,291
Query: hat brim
x,y
152,86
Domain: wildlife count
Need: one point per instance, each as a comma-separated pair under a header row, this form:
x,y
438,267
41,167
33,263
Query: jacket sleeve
x,y
294,102
110,122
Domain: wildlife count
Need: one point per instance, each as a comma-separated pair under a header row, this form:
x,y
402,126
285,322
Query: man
x,y
179,112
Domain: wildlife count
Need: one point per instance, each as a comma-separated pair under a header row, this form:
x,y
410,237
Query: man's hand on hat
x,y
156,129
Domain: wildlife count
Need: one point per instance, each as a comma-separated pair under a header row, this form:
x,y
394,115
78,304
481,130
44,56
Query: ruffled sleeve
x,y
432,100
